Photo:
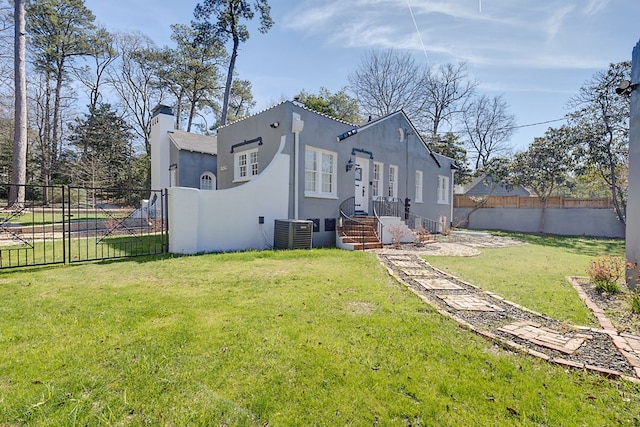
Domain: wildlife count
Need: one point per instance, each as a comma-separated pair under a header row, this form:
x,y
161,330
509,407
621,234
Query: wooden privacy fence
x,y
519,202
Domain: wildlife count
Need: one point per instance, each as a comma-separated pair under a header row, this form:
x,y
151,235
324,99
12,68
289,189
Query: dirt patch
x,y
454,245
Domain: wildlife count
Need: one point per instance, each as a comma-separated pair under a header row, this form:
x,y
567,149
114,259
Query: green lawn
x,y
534,275
287,338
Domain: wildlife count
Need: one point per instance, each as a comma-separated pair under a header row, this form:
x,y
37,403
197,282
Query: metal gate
x,y
59,224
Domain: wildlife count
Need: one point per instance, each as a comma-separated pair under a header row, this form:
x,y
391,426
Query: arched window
x,y
207,181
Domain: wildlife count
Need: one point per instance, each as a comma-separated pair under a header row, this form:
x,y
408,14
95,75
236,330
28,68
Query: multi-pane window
x,y
392,189
207,181
319,173
247,165
443,189
378,171
418,196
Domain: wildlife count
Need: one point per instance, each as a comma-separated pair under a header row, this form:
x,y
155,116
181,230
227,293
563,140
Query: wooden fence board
x,y
520,202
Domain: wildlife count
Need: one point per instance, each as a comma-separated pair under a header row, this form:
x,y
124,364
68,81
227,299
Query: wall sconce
x,y
349,165
625,87
275,124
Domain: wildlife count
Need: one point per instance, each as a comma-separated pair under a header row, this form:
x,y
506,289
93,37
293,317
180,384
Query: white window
x,y
207,181
418,196
319,173
378,175
246,163
443,189
392,189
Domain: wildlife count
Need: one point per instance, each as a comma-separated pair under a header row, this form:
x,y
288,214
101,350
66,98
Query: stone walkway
x,y
518,328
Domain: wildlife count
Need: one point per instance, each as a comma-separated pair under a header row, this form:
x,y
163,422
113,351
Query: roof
x,y
474,188
296,103
194,142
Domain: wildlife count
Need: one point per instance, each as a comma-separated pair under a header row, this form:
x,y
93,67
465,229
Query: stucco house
x,y
289,162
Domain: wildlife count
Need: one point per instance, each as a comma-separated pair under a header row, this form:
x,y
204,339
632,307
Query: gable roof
x,y
297,104
483,182
186,141
413,129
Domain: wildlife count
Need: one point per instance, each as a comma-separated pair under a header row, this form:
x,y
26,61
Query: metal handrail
x,y
350,222
396,207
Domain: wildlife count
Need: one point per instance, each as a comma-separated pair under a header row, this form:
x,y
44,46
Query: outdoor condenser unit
x,y
292,234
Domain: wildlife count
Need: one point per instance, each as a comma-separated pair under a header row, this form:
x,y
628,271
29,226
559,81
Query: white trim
x,y
250,163
419,186
443,190
392,187
209,181
378,184
315,174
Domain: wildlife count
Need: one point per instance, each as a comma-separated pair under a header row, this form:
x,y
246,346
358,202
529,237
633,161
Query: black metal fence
x,y
61,224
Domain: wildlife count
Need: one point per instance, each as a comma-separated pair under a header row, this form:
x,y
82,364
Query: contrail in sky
x,y
418,31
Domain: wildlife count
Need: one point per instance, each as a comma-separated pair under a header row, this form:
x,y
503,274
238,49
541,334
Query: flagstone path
x,y
506,323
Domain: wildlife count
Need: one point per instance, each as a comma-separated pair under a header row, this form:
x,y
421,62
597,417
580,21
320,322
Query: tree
x,y
103,54
134,79
190,71
546,166
388,81
19,165
240,100
600,125
59,31
488,126
222,20
451,146
446,93
103,145
339,105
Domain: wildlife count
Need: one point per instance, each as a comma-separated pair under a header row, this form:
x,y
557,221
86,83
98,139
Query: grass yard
x,y
533,275
321,337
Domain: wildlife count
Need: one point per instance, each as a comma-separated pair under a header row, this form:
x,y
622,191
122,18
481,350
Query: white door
x,y
362,184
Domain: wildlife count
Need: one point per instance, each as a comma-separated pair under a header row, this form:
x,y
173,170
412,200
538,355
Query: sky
x,y
535,53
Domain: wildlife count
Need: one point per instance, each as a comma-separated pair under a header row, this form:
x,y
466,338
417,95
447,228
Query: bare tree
x,y
388,81
489,127
102,54
19,166
447,91
134,80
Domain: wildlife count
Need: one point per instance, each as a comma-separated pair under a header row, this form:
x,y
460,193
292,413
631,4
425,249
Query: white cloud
x,y
594,7
555,21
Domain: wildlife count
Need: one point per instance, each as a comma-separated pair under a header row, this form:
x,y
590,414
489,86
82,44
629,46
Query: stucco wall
x,y
227,220
633,202
568,222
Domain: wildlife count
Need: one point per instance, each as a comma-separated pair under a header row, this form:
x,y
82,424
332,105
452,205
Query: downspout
x,y
296,127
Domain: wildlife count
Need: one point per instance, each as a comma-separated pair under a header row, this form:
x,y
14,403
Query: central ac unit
x,y
293,234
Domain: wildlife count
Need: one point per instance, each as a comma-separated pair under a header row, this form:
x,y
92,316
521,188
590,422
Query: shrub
x,y
605,272
397,233
634,301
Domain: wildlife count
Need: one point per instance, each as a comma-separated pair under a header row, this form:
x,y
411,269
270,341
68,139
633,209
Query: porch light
x,y
349,165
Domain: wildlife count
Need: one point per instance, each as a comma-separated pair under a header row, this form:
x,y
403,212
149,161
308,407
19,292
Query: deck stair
x,y
360,233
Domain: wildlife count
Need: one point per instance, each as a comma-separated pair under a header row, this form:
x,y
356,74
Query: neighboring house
x,y
289,162
484,185
178,158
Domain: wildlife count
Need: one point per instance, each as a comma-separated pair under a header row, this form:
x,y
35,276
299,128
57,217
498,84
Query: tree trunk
x,y
544,210
19,166
227,88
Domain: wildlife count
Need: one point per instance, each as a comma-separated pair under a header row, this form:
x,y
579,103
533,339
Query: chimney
x,y
162,122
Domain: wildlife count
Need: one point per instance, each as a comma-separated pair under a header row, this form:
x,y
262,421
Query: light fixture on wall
x,y
626,87
275,124
349,165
